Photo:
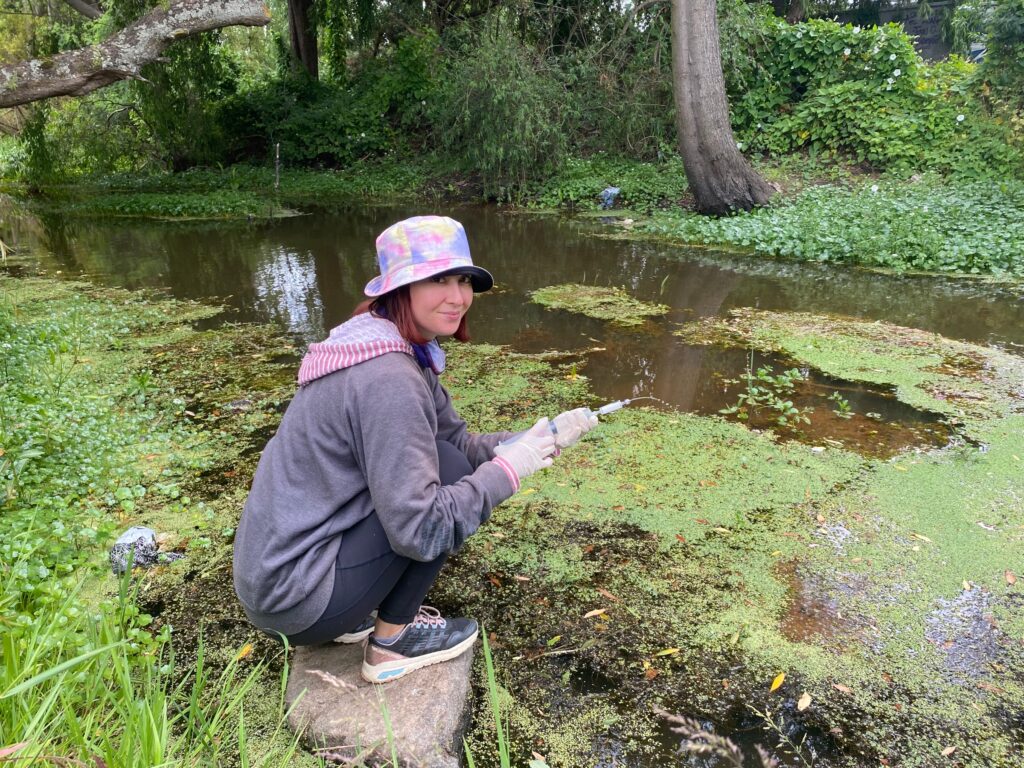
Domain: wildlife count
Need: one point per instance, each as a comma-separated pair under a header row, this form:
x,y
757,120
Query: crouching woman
x,y
372,479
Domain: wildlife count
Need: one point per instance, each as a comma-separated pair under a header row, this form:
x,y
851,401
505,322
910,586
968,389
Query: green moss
x,y
603,303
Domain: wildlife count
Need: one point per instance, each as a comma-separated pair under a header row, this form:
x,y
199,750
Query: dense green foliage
x,y
643,186
507,97
502,112
976,228
83,677
862,93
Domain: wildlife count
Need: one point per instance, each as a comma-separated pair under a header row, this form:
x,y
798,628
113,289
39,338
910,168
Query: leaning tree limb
x,y
122,56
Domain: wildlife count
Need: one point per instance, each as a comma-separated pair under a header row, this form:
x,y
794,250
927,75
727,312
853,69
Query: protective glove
x,y
572,425
528,453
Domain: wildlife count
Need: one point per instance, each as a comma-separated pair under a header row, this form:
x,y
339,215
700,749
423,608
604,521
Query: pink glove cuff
x,y
512,476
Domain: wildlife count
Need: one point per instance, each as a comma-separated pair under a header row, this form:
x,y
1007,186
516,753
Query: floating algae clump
x,y
602,303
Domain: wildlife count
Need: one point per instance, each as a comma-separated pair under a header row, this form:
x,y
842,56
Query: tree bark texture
x,y
302,32
721,179
122,55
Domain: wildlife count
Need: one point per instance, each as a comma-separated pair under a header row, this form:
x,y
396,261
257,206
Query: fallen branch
x,y
123,55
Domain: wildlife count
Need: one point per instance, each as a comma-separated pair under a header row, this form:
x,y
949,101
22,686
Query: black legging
x,y
368,574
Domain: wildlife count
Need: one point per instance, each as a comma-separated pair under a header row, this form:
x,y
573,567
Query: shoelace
x,y
428,616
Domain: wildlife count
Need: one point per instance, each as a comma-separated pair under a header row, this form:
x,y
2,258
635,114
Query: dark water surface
x,y
306,273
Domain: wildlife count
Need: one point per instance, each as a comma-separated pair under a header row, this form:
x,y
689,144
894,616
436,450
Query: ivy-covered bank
x,y
668,560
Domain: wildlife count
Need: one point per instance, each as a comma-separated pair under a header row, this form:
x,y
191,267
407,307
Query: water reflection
x,y
306,273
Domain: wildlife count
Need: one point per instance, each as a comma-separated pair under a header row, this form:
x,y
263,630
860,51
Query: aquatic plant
x,y
842,409
601,302
766,390
698,740
974,228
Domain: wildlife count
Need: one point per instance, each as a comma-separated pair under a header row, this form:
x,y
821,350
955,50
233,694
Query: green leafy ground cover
x,y
97,434
974,228
601,302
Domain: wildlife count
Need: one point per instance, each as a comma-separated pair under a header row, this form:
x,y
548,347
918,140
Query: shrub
x,y
865,93
500,111
644,186
332,125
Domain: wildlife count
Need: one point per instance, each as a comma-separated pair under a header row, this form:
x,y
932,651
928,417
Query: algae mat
x,y
603,303
688,562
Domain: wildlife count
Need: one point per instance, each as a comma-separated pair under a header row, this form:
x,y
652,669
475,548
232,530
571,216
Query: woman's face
x,y
438,304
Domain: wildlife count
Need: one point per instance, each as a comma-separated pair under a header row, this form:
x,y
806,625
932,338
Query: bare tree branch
x,y
85,8
121,56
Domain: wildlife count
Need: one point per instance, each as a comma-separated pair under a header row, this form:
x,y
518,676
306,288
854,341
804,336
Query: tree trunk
x,y
720,177
302,31
121,56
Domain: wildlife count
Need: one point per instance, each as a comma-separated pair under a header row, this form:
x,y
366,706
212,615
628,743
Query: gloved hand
x,y
532,451
572,425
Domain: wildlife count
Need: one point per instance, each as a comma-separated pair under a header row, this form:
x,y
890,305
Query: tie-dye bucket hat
x,y
421,247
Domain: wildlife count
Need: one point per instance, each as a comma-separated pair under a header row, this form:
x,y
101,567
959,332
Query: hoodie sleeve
x,y
450,426
393,424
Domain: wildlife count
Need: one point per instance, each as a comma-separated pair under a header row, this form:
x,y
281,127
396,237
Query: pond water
x,y
306,273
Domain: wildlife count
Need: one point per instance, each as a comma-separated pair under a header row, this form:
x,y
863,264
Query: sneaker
x,y
361,632
428,640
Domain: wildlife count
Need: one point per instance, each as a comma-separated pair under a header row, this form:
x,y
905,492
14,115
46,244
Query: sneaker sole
x,y
354,637
387,671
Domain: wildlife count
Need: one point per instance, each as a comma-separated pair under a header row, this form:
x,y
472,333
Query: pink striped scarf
x,y
355,341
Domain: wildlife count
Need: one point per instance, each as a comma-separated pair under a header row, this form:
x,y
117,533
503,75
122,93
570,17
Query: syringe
x,y
603,410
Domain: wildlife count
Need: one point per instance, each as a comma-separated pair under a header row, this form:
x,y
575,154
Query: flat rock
x,y
423,715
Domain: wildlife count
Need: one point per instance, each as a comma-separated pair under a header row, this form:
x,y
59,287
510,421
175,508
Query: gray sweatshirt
x,y
357,440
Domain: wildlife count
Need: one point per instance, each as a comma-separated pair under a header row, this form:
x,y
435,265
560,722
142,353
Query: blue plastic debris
x,y
608,197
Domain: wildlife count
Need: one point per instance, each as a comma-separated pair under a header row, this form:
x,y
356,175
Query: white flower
x,y
799,35
362,135
759,126
856,30
846,51
892,57
925,209
423,103
889,80
959,118
739,145
874,187
897,72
